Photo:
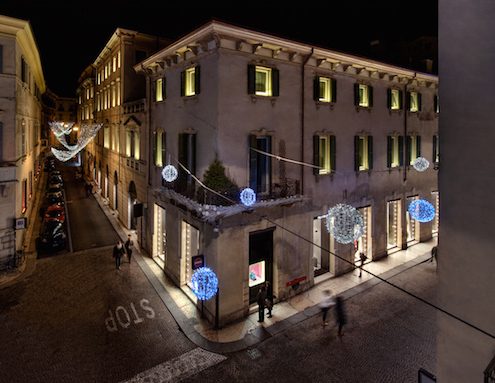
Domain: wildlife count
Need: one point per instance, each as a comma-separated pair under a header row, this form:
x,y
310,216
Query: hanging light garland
x,y
345,223
248,197
421,164
170,173
87,133
60,128
421,210
204,283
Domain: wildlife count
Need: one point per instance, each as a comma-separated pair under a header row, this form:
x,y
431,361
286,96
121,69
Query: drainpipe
x,y
404,178
303,116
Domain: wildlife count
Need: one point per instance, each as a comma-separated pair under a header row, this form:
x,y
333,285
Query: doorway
x,y
260,261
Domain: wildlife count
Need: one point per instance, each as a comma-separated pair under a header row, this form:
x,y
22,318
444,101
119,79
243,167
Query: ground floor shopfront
x,y
291,248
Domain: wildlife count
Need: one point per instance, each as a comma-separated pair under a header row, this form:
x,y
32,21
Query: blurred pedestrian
x,y
261,299
325,305
118,251
434,253
362,258
128,247
269,299
340,316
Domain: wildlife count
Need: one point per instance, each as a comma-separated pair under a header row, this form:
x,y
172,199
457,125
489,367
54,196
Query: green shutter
x,y
435,103
192,148
390,143
197,80
418,146
434,160
420,104
316,88
316,154
251,79
333,153
401,101
356,94
401,150
370,152
408,150
164,147
275,82
155,137
164,88
389,99
370,96
333,83
183,83
356,150
253,161
408,101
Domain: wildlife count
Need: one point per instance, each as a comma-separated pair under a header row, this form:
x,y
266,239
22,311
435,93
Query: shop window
x,y
363,244
257,273
436,152
412,224
324,154
436,203
160,236
393,224
189,248
24,196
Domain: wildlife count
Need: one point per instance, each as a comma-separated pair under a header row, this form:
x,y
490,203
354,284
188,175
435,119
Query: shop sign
x,y
296,281
197,261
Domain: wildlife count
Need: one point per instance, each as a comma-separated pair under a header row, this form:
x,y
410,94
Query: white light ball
x,y
170,173
345,223
421,164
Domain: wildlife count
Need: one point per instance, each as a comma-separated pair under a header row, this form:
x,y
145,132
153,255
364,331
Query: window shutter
x,y
419,102
192,148
316,154
401,101
164,148
253,161
401,150
370,152
153,90
275,82
356,150
333,153
434,148
408,150
389,99
183,83
1,58
418,146
370,96
269,161
408,101
197,80
164,88
333,83
155,137
316,88
435,103
251,79
390,143
356,94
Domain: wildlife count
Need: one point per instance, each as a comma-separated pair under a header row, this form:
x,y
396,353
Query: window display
x,y
256,273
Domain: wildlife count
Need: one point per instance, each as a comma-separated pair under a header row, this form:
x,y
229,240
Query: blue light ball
x,y
248,197
204,283
421,210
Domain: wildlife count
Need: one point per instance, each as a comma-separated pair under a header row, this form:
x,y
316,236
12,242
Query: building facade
x,y
111,93
306,129
21,86
56,108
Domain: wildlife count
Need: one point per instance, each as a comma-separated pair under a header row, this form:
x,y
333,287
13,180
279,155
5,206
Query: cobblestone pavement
x,y
389,336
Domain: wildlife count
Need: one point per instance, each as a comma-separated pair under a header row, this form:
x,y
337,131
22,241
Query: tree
x,y
216,179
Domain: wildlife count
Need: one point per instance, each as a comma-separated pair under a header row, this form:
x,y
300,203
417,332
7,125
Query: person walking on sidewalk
x,y
325,305
261,299
434,253
269,299
362,258
340,316
118,251
128,247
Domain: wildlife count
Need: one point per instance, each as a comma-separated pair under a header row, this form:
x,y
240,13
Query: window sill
x,y
255,98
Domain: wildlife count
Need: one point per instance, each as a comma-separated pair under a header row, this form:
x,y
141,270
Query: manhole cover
x,y
254,353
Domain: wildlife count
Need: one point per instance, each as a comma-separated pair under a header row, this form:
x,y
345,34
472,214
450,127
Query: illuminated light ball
x,y
248,196
421,164
345,223
421,210
204,283
170,173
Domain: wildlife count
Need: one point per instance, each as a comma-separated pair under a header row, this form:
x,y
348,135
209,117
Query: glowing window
x,y
159,89
413,102
363,95
256,273
394,99
324,155
263,81
190,89
325,90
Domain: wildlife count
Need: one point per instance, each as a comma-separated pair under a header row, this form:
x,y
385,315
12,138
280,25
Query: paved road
x,y
388,338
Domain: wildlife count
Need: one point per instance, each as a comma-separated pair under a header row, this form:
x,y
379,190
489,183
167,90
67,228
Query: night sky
x,y
71,34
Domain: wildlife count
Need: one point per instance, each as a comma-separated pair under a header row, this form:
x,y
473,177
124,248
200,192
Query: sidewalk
x,y
247,332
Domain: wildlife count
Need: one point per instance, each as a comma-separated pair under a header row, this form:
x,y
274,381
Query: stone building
x,y
21,86
56,108
110,92
306,128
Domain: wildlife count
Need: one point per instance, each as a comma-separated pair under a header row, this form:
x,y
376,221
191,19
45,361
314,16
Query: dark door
x,y
260,261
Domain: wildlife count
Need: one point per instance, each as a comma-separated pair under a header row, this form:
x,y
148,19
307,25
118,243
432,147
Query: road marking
x,y
254,353
125,318
179,368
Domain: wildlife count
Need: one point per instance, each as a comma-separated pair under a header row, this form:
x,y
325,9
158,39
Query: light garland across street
x,y
87,133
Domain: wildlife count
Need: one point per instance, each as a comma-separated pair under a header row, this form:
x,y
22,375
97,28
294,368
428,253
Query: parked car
x,y
52,199
55,178
55,184
55,173
52,237
55,213
54,191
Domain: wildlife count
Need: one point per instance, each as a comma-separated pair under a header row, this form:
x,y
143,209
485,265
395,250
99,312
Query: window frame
x,y
363,152
190,82
160,89
268,91
364,100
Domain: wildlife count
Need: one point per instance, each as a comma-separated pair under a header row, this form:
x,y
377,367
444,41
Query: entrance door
x,y
260,261
321,258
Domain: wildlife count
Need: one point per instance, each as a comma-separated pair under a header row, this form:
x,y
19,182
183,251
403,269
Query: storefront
x,y
412,224
160,236
363,244
393,225
260,261
323,261
436,203
188,249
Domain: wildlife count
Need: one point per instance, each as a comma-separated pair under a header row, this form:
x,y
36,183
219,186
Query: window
x,y
363,153
363,95
263,81
260,168
23,138
324,154
1,58
394,99
190,81
189,248
159,89
117,85
325,89
98,78
113,96
30,184
414,102
395,151
24,70
24,196
106,137
187,157
114,64
413,149
118,59
115,138
132,144
159,148
98,101
436,156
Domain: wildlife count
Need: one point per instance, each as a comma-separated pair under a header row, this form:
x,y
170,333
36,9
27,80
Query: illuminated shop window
x,y
189,248
393,224
256,273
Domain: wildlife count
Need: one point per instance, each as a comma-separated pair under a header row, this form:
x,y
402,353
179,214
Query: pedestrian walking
x,y
362,258
269,299
261,299
118,251
434,253
325,305
128,247
340,316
